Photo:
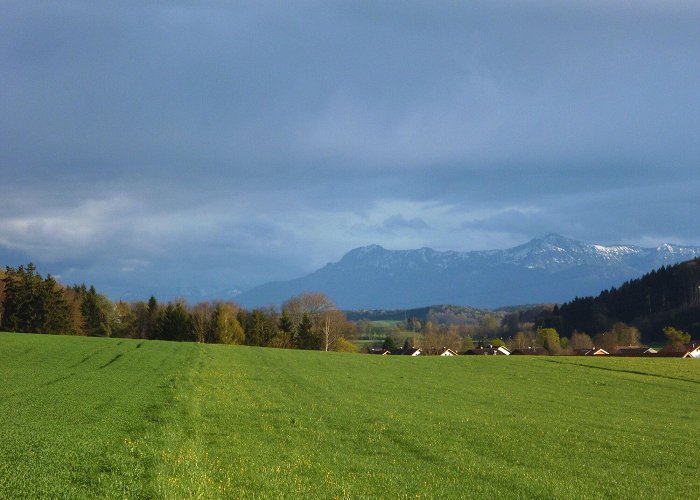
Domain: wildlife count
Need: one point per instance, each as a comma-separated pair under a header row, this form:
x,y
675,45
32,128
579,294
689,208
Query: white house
x,y
446,352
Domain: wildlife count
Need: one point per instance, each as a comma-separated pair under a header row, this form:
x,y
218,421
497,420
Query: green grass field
x,y
87,417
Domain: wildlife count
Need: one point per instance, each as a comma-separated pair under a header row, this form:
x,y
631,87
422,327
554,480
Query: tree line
x,y
518,328
31,303
513,334
640,309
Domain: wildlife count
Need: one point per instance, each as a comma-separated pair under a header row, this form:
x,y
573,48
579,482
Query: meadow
x,y
90,417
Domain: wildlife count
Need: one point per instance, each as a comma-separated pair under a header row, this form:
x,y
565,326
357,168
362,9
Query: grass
x,y
84,418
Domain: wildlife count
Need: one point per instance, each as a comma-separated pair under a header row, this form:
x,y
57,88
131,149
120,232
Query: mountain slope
x,y
548,269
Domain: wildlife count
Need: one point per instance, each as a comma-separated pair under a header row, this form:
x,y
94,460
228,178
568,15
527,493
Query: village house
x,y
691,350
380,351
591,352
489,351
635,351
446,352
530,351
407,351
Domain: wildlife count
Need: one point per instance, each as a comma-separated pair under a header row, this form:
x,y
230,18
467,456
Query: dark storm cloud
x,y
399,222
255,140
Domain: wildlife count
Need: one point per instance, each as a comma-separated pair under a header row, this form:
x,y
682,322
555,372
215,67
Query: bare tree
x,y
436,339
201,321
522,340
580,340
328,323
626,335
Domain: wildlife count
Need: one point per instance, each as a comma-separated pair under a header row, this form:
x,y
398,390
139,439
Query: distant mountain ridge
x,y
548,269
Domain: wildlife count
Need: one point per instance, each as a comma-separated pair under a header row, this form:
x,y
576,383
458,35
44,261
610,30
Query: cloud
x,y
167,144
74,231
399,222
512,221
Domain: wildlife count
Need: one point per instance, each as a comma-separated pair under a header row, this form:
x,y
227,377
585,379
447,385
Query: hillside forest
x,y
669,296
661,305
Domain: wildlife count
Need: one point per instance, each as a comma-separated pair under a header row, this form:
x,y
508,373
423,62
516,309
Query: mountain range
x,y
550,269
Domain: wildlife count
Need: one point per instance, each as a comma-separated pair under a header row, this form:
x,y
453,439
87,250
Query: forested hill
x,y
669,296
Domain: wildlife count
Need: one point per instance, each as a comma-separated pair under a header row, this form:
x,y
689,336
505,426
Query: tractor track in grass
x,y
58,379
114,358
91,355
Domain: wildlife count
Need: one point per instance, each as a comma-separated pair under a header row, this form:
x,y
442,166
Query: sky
x,y
156,146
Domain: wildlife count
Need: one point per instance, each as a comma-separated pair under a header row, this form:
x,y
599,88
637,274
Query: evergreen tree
x,y
152,318
305,338
261,328
669,295
174,323
284,338
29,300
389,343
56,310
97,312
32,309
285,323
142,320
10,311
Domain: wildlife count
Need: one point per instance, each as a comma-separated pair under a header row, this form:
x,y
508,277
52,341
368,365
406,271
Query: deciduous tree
x,y
625,334
201,322
522,340
225,326
467,343
549,339
124,322
675,336
580,340
328,324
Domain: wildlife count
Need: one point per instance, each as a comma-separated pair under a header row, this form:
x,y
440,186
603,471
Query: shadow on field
x,y
635,372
